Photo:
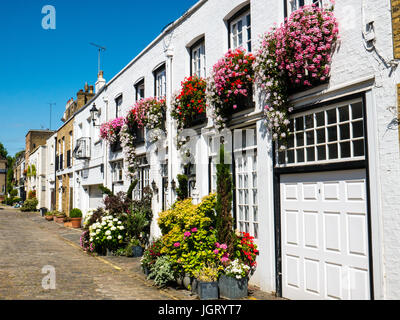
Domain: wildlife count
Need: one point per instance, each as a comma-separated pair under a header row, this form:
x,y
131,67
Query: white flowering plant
x,y
237,269
107,233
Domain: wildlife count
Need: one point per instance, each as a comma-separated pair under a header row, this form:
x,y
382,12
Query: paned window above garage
x,y
325,135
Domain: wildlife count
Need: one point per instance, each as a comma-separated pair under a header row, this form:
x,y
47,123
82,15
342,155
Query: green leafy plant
x,y
107,234
189,235
152,253
106,191
162,271
224,203
29,205
182,192
49,213
209,273
75,213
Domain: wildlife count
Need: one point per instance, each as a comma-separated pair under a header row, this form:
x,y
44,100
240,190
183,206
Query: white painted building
x,y
50,174
325,216
37,179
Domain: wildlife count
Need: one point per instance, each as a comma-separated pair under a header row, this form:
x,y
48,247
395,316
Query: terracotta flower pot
x,y
76,222
68,224
59,219
49,218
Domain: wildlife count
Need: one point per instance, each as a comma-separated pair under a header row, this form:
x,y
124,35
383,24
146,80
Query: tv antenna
x,y
100,49
51,104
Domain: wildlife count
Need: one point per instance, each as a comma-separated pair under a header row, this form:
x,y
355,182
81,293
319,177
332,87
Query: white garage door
x,y
325,235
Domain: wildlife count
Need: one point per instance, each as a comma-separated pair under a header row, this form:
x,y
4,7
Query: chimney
x,y
100,82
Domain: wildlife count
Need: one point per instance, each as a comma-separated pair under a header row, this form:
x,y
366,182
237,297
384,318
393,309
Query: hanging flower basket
x,y
189,106
230,86
293,57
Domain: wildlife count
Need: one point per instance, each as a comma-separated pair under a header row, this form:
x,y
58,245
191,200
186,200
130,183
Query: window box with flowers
x,y
110,131
294,57
230,87
149,114
189,106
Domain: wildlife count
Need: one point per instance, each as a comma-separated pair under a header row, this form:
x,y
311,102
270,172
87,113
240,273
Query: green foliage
x,y
131,188
13,193
162,271
151,254
3,151
49,213
189,236
136,222
106,191
109,233
75,213
182,192
59,214
224,203
33,171
29,205
208,273
32,194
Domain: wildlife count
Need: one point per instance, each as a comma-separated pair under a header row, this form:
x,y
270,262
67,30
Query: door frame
x,y
277,172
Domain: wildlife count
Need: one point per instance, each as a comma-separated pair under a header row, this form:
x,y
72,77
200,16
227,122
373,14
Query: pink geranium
x,y
110,130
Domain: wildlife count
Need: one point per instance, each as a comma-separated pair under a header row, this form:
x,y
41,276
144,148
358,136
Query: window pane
x,y
345,149
333,151
281,157
320,117
331,114
299,124
321,136
290,155
309,121
321,153
344,114
291,141
344,131
358,130
310,137
358,147
299,139
300,155
310,154
356,110
332,133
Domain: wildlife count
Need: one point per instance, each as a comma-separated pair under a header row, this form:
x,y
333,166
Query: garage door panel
x,y
324,235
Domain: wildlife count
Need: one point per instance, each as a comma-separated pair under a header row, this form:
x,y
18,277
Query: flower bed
x,y
230,84
190,246
189,105
294,56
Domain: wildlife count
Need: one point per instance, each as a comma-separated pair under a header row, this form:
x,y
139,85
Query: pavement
x,y
30,246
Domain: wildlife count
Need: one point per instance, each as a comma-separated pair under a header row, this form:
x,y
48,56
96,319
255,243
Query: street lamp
x,y
94,112
154,187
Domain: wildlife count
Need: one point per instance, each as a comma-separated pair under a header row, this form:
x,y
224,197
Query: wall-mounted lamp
x,y
154,187
173,184
94,112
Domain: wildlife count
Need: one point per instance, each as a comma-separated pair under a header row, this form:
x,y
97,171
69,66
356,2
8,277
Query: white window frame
x,y
339,124
241,26
118,104
198,60
143,178
293,5
160,83
140,89
117,169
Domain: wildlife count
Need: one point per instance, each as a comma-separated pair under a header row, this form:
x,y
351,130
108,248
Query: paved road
x,y
28,243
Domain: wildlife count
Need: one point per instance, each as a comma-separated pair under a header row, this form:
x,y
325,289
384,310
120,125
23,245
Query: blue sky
x,y
39,66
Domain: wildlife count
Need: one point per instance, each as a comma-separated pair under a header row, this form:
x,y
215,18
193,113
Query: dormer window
x,y
240,30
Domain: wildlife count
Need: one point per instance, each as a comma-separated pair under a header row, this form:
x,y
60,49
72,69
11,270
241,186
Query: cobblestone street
x,y
28,243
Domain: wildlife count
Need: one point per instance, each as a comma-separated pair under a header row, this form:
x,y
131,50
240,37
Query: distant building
x,y
3,178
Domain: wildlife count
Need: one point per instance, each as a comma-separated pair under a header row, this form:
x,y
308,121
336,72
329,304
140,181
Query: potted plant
x,y
207,283
49,215
134,248
233,283
67,222
59,217
76,217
